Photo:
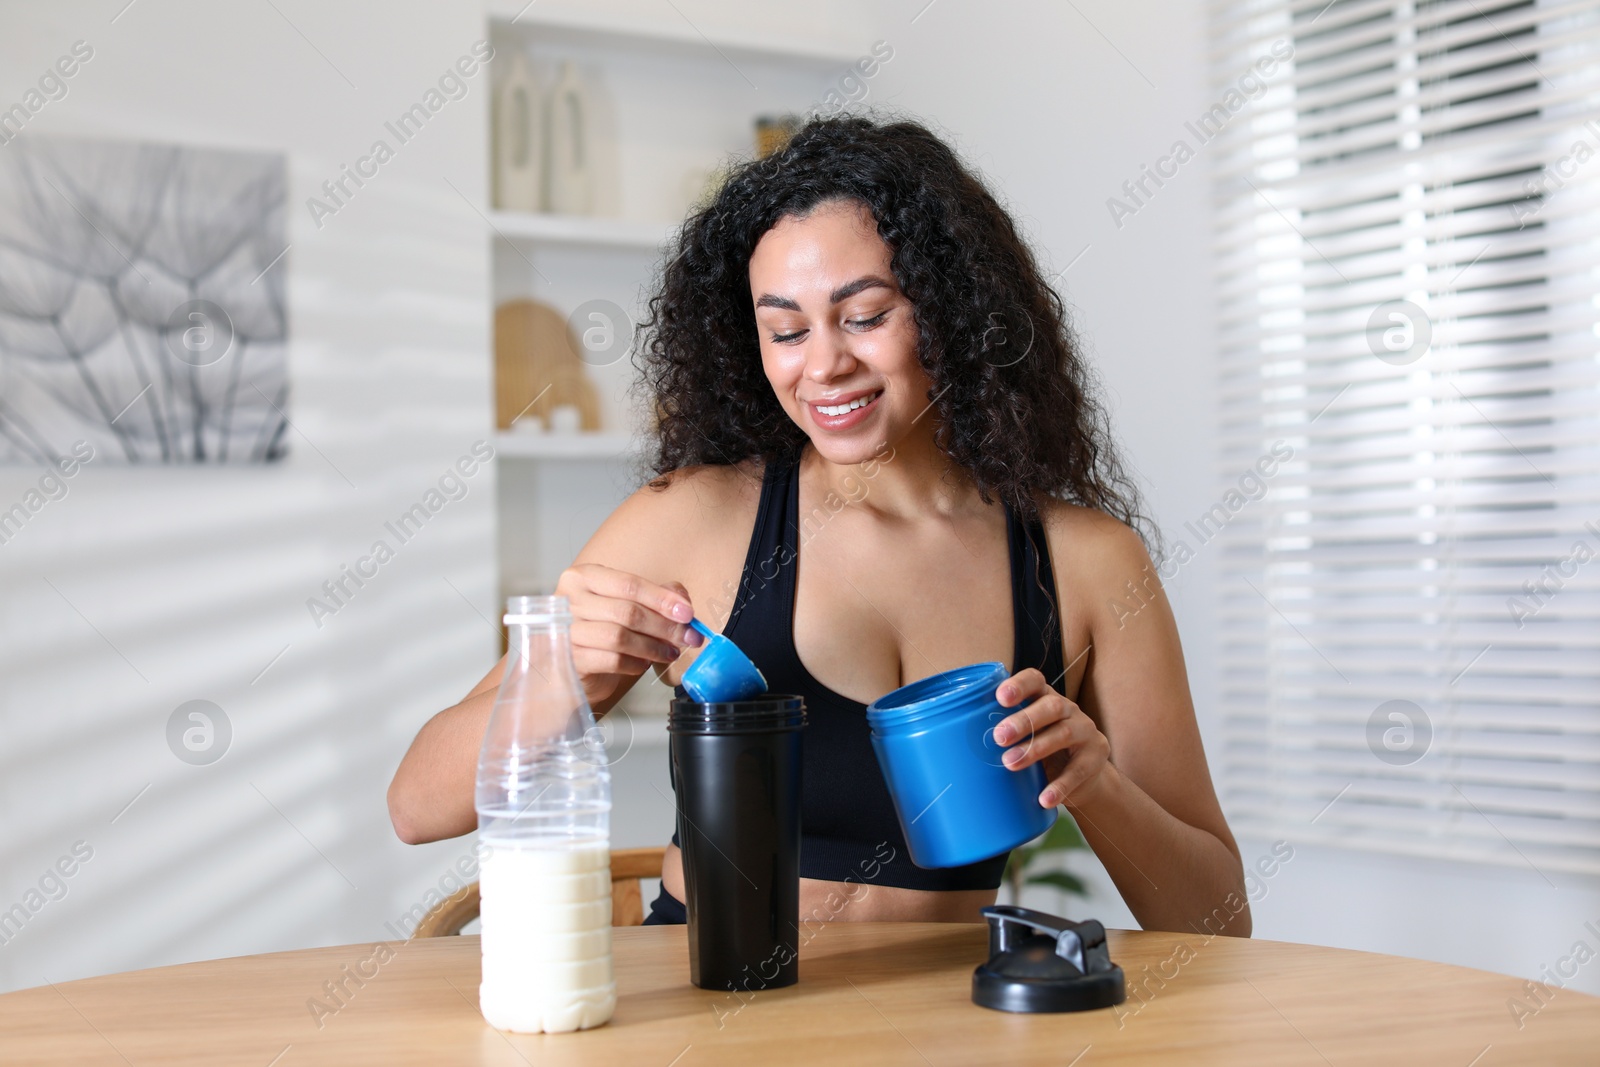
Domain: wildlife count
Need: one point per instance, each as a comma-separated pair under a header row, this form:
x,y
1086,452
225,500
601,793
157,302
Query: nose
x,y
828,357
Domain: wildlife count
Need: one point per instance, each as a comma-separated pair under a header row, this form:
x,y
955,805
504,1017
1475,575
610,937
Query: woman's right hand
x,y
621,624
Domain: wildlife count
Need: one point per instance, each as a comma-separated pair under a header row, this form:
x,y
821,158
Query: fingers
x,y
598,663
1060,735
1049,725
669,602
1090,757
1023,685
1046,709
635,617
628,615
691,636
591,637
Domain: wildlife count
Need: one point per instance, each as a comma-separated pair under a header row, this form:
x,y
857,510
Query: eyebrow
x,y
844,292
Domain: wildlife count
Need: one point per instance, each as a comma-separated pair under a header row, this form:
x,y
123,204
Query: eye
x,y
867,324
786,338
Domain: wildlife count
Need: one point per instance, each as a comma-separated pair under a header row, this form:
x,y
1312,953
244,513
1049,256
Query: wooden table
x,y
871,993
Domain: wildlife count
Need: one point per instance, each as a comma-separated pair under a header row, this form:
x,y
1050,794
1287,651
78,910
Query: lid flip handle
x,y
1081,944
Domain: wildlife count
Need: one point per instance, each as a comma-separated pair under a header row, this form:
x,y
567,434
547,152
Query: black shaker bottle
x,y
736,772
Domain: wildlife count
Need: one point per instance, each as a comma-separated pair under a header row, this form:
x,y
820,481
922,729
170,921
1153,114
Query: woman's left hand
x,y
1052,730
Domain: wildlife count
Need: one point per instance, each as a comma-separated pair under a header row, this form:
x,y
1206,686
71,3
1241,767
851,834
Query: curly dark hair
x,y
1015,402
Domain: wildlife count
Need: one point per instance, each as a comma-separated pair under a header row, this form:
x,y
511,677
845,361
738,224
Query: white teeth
x,y
840,409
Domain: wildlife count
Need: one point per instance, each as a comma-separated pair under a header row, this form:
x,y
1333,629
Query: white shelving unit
x,y
520,227
567,446
673,103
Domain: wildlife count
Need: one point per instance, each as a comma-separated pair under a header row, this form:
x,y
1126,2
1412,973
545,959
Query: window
x,y
1408,249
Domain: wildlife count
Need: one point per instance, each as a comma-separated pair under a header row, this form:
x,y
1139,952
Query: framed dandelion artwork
x,y
142,309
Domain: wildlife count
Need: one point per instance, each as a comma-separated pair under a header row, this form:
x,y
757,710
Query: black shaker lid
x,y
1044,963
772,711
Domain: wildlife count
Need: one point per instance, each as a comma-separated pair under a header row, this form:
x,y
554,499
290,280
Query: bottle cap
x,y
526,610
1044,963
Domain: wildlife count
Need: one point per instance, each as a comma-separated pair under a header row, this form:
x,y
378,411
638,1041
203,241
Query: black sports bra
x,y
848,827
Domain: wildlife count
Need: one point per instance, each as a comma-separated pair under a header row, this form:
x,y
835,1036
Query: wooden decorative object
x,y
773,132
537,366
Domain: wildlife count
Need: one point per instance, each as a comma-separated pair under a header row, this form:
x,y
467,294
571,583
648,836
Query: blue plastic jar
x,y
957,802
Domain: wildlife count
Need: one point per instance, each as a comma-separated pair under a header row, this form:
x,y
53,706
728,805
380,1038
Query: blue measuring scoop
x,y
721,672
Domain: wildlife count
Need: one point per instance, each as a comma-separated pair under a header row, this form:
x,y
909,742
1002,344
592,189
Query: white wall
x,y
1037,94
199,577
195,579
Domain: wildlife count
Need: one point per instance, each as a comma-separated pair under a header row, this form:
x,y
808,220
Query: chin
x,y
852,450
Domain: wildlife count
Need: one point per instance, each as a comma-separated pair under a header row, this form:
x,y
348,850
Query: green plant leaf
x,y
1062,836
1061,880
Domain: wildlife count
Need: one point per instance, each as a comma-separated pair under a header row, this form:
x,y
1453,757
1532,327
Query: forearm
x,y
1173,876
431,795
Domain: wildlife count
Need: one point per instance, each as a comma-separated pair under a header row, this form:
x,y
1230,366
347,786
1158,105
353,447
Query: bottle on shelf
x,y
544,826
570,163
519,137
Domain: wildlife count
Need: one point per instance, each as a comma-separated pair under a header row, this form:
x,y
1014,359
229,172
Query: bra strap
x,y
771,553
1035,618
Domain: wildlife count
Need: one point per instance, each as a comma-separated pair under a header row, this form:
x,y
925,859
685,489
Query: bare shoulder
x,y
691,526
1103,570
696,497
1095,546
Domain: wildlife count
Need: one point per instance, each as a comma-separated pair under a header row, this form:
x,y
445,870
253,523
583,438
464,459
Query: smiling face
x,y
838,343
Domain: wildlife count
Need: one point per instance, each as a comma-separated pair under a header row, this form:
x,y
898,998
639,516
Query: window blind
x,y
1408,296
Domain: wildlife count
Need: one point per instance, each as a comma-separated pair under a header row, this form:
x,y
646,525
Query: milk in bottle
x,y
544,812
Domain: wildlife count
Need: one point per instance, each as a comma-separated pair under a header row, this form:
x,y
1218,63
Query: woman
x,y
878,459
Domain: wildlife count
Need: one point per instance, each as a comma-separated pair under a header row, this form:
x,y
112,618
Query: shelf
x,y
579,26
550,445
675,98
517,226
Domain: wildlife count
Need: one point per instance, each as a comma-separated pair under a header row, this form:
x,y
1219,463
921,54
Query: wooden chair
x,y
628,865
